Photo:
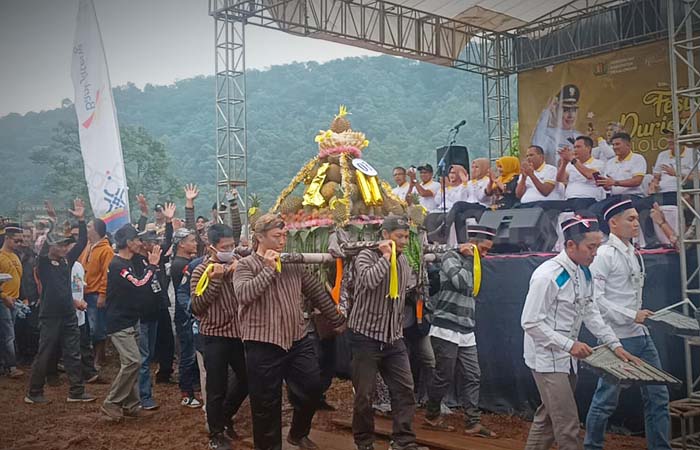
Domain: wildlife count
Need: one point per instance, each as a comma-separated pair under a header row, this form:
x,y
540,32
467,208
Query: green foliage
x,y
146,165
404,107
514,147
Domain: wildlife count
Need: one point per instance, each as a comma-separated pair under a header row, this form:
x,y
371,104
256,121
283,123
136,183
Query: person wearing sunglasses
x,y
9,293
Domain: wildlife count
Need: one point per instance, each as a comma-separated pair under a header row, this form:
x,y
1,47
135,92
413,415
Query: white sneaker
x,y
190,402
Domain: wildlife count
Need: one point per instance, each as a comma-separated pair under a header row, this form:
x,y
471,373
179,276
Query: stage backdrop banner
x,y
97,122
630,86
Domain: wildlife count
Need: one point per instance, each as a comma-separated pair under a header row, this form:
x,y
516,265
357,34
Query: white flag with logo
x,y
97,122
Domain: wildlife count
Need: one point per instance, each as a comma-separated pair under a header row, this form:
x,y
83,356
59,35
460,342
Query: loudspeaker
x,y
453,154
518,230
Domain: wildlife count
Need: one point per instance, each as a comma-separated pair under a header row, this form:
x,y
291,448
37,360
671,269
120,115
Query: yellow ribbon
x,y
279,265
393,275
203,282
312,196
369,189
477,272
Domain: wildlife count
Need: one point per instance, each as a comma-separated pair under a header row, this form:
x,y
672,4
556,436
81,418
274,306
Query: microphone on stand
x,y
459,125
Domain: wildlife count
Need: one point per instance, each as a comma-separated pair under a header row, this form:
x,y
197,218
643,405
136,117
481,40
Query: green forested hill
x,y
404,107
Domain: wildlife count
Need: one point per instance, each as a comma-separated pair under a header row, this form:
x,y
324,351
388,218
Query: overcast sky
x,y
146,41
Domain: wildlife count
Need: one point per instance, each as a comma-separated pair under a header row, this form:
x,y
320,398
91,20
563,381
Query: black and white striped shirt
x,y
373,313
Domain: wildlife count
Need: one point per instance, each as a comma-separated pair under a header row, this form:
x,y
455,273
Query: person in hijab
x,y
503,187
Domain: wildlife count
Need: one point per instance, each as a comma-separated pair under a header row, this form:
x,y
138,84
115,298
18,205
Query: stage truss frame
x,y
495,55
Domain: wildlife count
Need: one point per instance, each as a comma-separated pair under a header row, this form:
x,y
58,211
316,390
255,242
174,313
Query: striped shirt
x,y
373,314
271,303
217,307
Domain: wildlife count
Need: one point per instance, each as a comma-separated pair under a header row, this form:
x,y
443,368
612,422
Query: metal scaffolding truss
x,y
231,144
598,27
684,55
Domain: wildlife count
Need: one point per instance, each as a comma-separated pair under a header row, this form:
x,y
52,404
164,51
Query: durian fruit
x,y
291,204
416,214
328,189
340,124
333,159
391,206
333,173
254,211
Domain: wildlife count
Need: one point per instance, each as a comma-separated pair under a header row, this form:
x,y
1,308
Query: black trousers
x,y
224,398
87,356
268,365
165,345
391,361
458,215
54,332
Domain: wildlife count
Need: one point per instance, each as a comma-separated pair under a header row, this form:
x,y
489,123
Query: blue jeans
x,y
96,319
147,347
7,337
654,397
183,328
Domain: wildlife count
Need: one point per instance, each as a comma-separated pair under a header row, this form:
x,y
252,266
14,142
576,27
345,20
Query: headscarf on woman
x,y
483,165
510,168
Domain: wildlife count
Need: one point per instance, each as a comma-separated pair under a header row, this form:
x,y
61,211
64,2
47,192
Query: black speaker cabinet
x,y
454,154
518,230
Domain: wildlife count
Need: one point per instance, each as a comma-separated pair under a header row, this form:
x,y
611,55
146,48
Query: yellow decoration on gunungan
x,y
303,174
393,274
369,189
375,191
312,195
477,272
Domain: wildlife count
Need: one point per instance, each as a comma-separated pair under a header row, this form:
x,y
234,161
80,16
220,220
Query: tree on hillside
x,y
145,161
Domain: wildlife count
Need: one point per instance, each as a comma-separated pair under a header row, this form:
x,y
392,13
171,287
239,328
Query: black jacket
x,y
56,292
127,293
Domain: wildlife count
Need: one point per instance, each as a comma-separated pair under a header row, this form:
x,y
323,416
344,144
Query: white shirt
x,y
476,191
546,174
429,202
552,139
667,182
560,299
77,284
401,191
619,281
453,194
634,164
461,339
603,151
579,186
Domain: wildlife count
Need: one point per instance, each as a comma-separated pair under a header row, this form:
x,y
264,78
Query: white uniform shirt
x,y
401,191
619,281
559,300
546,174
476,191
634,164
667,182
552,139
603,151
579,186
429,202
453,194
77,284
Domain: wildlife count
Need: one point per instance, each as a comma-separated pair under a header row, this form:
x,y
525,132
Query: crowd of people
x,y
245,323
589,170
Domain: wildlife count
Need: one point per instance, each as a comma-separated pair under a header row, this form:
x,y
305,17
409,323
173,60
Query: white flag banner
x,y
97,123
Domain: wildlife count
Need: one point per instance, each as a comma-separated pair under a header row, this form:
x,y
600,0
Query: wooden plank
x,y
440,439
324,439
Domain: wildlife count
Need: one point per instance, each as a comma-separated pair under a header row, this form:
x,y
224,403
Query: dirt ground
x,y
64,426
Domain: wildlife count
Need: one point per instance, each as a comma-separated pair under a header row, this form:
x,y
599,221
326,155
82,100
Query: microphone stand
x,y
441,166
